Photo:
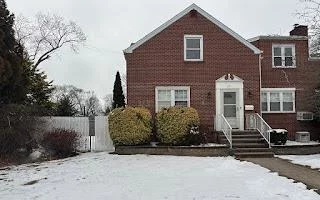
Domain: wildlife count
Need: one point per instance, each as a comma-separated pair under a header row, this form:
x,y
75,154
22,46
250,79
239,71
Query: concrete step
x,y
247,140
247,136
254,154
243,140
251,150
240,132
245,133
249,145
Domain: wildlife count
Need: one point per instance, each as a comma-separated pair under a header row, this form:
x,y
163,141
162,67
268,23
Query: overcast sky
x,y
112,25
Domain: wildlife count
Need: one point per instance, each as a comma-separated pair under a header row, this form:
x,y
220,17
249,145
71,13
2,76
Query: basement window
x,y
193,48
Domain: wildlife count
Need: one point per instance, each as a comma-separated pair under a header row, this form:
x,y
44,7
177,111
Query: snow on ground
x,y
104,176
294,143
309,160
210,145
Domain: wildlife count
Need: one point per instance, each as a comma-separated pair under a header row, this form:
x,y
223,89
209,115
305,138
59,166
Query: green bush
x,y
174,125
130,126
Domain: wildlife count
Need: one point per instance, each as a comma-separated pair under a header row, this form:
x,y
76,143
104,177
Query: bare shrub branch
x,y
311,16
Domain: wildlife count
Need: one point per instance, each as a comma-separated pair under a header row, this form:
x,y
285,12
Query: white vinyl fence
x,y
100,142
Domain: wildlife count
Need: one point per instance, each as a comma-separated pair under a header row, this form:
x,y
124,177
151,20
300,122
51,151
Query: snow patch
x,y
294,143
312,161
209,145
105,176
35,155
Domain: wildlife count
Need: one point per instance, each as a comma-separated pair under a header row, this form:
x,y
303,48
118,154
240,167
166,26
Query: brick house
x,y
195,60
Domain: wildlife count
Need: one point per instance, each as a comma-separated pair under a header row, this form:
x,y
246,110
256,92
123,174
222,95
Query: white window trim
x,y
283,46
278,89
185,47
281,91
172,88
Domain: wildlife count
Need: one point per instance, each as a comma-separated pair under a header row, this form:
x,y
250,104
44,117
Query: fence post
x,y
92,131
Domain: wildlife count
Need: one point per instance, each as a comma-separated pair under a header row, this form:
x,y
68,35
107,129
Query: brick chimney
x,y
299,30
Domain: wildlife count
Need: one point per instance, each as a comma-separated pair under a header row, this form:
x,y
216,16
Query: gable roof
x,y
183,13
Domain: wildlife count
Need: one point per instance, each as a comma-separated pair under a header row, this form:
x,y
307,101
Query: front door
x,y
231,108
229,101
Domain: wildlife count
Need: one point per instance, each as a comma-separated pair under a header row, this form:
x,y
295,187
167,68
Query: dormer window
x,y
283,56
193,48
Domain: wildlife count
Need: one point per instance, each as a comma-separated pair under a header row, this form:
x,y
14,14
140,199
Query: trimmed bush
x,y
130,126
61,142
174,125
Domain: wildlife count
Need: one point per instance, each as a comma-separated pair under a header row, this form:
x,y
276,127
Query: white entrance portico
x,y
229,101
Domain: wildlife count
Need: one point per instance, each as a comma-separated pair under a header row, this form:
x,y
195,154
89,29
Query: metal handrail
x,y
263,128
226,129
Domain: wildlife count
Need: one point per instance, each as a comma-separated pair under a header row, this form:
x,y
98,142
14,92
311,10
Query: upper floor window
x,y
283,55
278,100
193,47
172,96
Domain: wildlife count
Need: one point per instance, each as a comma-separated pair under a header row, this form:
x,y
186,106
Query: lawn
x,y
104,176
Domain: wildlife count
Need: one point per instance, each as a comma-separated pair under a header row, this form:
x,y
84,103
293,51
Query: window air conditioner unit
x,y
304,116
303,136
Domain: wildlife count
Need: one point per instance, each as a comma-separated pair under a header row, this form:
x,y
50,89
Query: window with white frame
x,y
278,100
172,96
193,47
283,55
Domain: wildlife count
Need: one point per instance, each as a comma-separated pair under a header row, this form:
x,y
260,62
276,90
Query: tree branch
x,y
47,34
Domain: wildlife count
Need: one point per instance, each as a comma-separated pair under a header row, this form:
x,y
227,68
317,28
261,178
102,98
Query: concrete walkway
x,y
306,175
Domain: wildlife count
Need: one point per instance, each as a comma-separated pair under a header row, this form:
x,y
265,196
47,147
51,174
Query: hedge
x,y
130,126
174,124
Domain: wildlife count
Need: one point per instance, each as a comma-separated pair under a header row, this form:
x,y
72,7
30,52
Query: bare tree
x,y
311,15
86,102
23,28
93,106
78,96
124,85
107,103
47,34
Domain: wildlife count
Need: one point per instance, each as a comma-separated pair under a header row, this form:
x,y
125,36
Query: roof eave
x,y
262,37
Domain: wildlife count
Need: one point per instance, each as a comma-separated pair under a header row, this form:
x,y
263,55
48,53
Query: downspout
x,y
260,71
260,82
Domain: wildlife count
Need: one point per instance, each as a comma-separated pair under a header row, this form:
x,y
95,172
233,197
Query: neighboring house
x,y
195,60
288,82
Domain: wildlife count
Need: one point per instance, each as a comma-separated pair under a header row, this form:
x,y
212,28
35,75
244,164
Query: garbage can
x,y
278,136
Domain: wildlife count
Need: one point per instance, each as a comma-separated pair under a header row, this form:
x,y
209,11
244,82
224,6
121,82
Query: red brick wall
x,y
305,78
160,62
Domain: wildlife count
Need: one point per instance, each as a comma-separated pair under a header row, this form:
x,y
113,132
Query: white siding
x,y
100,142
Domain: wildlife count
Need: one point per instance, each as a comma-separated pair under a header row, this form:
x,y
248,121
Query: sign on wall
x,y
249,107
